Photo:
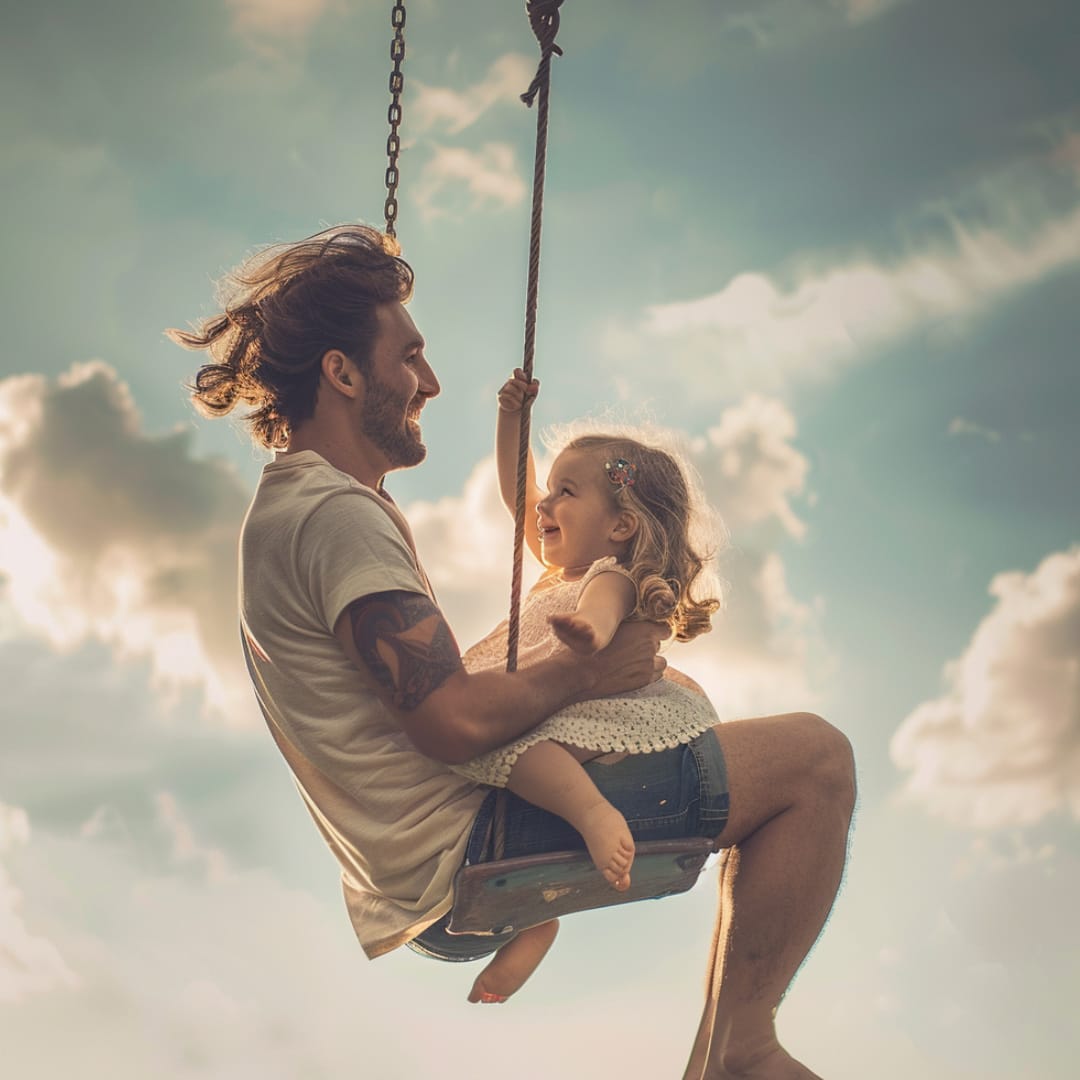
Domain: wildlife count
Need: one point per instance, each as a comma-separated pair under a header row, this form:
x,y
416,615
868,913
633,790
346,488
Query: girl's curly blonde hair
x,y
664,558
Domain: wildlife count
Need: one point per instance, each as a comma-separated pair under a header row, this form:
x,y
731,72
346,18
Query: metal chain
x,y
394,114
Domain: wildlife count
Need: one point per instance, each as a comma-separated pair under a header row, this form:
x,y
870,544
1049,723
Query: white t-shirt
x,y
314,540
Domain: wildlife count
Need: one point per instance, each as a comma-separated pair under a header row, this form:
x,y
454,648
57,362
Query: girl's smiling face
x,y
578,519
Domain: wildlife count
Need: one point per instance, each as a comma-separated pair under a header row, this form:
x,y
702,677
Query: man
x,y
361,681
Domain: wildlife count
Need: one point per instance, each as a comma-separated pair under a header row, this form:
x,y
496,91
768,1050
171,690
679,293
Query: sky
x,y
833,245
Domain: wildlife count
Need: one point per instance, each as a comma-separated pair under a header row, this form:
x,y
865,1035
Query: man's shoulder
x,y
302,477
328,535
296,492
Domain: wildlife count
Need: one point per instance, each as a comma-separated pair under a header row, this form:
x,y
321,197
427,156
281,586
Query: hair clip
x,y
621,473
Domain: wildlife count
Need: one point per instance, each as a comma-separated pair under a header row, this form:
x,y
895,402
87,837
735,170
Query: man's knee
x,y
833,760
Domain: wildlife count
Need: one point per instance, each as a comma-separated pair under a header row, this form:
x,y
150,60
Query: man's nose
x,y
429,383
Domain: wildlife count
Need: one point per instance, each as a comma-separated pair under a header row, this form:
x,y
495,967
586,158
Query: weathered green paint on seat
x,y
490,898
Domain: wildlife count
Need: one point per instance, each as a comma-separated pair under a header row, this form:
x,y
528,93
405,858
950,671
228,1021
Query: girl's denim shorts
x,y
664,795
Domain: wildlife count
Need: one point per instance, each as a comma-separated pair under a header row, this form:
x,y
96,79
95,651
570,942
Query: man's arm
x,y
402,640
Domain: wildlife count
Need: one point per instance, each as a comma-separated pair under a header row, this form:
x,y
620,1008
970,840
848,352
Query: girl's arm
x,y
507,440
603,604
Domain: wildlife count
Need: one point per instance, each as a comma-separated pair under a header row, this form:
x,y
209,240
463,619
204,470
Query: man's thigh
x,y
775,761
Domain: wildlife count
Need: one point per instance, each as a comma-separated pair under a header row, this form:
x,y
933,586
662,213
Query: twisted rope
x,y
544,20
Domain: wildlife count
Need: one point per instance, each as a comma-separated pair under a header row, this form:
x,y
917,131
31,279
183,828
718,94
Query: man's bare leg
x,y
513,964
792,795
714,972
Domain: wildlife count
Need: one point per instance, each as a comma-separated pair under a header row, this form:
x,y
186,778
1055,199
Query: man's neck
x,y
369,469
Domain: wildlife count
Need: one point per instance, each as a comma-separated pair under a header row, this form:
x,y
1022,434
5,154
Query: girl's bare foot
x,y
607,836
513,964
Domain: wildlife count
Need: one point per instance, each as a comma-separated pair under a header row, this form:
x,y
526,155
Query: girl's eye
x,y
566,491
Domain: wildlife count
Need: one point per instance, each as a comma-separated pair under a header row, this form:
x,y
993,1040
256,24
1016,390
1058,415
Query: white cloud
x,y
859,11
786,24
751,469
185,849
762,332
765,653
110,534
489,175
14,827
991,853
29,964
767,642
1001,745
231,974
466,544
961,426
238,976
82,733
283,19
455,110
1066,152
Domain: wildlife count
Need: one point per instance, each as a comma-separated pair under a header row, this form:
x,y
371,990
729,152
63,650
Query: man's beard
x,y
385,425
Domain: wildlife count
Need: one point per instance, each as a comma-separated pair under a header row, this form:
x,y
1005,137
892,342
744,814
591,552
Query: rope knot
x,y
544,20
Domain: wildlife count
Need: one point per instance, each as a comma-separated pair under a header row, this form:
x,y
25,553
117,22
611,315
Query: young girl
x,y
613,532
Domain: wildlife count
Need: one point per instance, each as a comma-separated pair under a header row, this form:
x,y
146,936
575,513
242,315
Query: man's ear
x,y
340,372
625,527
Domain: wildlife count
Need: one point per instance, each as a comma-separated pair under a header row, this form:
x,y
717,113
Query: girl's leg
x,y
513,964
549,776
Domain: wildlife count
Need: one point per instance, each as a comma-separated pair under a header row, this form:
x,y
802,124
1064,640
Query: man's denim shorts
x,y
664,795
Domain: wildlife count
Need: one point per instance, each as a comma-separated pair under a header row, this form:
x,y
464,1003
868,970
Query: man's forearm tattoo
x,y
411,628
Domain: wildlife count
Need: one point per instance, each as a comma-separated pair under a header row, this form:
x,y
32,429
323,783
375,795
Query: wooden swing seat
x,y
514,894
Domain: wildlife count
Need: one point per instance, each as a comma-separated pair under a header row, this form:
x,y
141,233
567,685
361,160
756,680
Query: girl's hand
x,y
575,632
629,662
515,390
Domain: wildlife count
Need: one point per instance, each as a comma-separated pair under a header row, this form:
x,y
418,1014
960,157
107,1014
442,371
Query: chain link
x,y
394,115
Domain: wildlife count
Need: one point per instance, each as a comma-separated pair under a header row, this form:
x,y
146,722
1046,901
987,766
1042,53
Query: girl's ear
x,y
625,527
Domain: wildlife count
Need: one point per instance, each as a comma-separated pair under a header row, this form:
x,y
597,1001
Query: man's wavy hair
x,y
282,310
665,558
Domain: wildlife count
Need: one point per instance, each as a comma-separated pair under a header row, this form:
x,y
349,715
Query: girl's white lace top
x,y
659,716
